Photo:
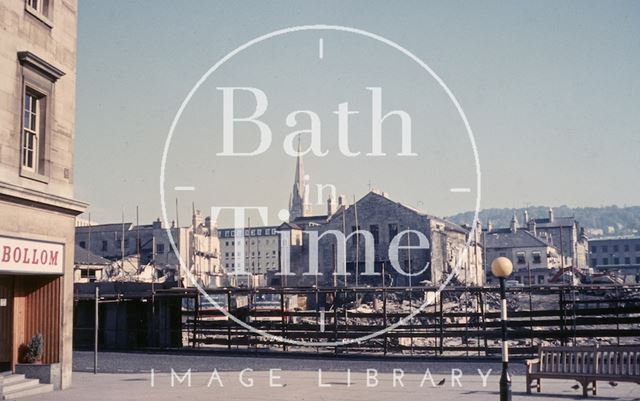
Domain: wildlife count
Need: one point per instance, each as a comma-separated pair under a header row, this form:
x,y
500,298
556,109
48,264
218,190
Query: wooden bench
x,y
586,364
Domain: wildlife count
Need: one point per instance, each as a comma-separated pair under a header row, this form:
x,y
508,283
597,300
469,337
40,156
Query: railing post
x,y
229,321
562,317
384,318
283,329
95,330
196,312
335,318
441,324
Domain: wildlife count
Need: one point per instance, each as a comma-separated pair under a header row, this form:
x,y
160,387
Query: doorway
x,y
6,322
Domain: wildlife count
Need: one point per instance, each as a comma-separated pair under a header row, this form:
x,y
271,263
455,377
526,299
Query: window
x,y
38,77
638,259
32,126
41,6
605,249
83,245
521,258
627,261
616,261
637,247
540,279
626,248
594,262
393,231
39,9
537,259
88,273
160,248
616,248
104,245
594,249
373,229
605,261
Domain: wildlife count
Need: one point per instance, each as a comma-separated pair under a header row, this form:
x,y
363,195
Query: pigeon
x,y
613,384
441,382
575,386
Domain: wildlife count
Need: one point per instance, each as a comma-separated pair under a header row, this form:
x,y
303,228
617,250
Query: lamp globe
x,y
501,267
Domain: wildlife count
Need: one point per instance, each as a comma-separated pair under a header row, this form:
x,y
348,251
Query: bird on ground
x,y
575,387
613,384
441,382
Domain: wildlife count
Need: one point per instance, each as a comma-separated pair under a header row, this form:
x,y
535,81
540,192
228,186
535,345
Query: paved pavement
x,y
310,386
220,376
124,362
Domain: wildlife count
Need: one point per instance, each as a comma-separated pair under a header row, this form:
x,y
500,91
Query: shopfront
x,y
30,288
36,285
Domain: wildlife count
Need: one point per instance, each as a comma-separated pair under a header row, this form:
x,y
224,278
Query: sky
x,y
550,91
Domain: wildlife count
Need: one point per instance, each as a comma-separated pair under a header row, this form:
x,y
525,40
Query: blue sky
x,y
551,90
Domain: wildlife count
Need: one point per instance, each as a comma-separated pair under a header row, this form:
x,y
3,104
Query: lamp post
x,y
502,267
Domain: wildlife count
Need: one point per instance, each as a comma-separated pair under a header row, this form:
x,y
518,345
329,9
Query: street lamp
x,y
502,267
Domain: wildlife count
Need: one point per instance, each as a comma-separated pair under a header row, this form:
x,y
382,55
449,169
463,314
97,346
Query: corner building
x,y
37,205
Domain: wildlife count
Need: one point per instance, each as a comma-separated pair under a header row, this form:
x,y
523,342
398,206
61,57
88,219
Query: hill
x,y
598,221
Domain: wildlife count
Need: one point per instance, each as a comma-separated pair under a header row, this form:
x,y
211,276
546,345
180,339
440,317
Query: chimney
x,y
157,224
550,215
489,226
532,228
208,222
526,216
514,224
330,207
342,201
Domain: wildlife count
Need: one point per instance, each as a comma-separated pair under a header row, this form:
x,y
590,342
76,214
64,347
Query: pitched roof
x,y
448,225
287,225
557,222
508,239
85,257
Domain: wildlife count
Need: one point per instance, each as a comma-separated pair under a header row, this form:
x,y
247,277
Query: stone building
x,y
384,220
534,259
88,267
261,250
619,254
37,205
283,253
565,234
148,247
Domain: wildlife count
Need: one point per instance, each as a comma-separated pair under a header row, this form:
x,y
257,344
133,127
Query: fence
x,y
460,321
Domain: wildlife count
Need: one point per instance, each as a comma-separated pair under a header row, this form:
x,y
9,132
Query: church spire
x,y
298,181
297,206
